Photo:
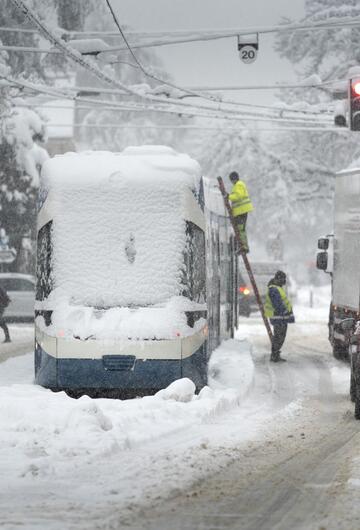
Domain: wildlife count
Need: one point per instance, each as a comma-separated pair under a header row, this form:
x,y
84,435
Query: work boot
x,y
274,357
281,360
7,339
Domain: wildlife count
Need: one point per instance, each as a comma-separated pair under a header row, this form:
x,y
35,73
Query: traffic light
x,y
354,104
340,111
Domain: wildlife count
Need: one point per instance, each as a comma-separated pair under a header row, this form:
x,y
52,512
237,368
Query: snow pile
x,y
223,371
180,390
46,434
167,322
118,232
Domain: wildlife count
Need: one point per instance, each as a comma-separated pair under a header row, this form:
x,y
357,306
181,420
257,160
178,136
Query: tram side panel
x,y
213,280
194,362
221,280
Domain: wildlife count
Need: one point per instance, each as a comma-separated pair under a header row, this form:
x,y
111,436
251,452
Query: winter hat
x,y
280,276
234,176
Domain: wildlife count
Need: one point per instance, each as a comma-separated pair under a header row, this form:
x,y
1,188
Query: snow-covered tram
x,y
123,267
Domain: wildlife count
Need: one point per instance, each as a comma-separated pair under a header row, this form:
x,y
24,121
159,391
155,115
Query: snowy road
x,y
301,470
22,336
279,450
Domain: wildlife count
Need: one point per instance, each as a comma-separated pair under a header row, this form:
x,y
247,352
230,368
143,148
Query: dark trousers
x,y
3,326
279,336
240,221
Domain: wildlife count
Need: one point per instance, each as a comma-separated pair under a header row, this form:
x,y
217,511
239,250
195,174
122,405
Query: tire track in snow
x,y
286,482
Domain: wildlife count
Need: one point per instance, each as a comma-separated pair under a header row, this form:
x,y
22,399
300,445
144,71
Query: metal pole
x,y
245,259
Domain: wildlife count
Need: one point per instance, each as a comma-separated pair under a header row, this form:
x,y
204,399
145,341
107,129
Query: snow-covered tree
x,y
21,159
317,156
21,134
329,52
22,130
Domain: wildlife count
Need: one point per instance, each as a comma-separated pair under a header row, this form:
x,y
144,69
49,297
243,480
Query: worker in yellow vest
x,y
241,206
279,309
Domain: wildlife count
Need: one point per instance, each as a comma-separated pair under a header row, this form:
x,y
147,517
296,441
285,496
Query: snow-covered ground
x,y
22,340
49,440
87,463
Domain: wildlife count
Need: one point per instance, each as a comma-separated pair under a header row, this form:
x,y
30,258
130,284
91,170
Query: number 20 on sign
x,y
248,48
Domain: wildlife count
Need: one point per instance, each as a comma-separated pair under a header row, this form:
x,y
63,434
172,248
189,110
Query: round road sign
x,y
248,54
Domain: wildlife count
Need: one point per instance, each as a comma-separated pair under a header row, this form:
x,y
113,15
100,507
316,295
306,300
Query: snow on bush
x,y
20,129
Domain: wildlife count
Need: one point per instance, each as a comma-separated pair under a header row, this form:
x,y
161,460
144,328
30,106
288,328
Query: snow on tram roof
x,y
147,163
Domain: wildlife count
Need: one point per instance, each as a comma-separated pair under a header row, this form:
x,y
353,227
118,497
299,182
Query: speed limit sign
x,y
248,48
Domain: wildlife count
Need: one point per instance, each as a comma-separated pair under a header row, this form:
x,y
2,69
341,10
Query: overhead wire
x,y
138,107
298,84
185,90
74,55
78,58
277,109
124,107
140,65
205,35
196,127
201,34
26,49
194,91
92,68
273,108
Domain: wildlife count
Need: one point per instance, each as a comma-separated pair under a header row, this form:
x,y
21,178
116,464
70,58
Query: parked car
x,y
263,272
21,290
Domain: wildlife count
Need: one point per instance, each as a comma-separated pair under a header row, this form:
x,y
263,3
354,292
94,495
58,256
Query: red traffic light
x,y
354,103
356,87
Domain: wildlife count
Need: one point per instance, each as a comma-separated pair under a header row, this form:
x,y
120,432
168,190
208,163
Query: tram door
x,y
226,281
233,286
213,281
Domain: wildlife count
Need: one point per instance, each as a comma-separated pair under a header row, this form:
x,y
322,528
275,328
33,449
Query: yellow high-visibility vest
x,y
240,200
269,309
